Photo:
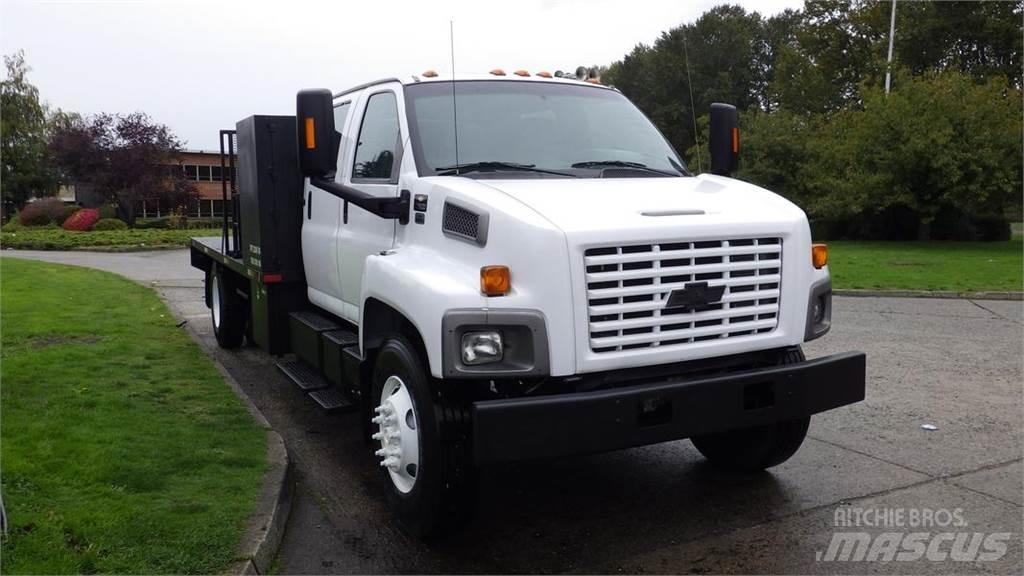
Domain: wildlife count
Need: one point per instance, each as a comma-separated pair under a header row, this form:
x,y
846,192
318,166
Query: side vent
x,y
464,224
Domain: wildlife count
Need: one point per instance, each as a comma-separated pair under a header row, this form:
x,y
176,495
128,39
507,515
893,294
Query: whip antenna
x,y
455,109
693,111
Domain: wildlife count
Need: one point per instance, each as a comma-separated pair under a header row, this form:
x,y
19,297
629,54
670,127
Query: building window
x,y
215,173
204,173
190,171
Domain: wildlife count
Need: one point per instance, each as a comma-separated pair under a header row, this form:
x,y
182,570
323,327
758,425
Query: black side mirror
x,y
317,140
724,140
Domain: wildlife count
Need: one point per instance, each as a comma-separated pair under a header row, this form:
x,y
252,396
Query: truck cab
x,y
507,267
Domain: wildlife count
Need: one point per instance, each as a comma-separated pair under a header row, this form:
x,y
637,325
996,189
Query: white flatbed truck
x,y
506,267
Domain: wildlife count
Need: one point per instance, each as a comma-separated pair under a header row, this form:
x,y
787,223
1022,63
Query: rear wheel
x,y
753,449
421,444
227,310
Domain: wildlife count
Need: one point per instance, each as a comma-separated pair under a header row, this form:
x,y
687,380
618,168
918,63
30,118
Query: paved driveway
x,y
956,364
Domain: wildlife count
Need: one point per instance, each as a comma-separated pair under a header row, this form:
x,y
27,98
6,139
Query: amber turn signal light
x,y
819,255
310,134
495,280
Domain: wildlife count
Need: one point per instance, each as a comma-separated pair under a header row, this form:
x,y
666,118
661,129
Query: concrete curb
x,y
265,527
930,294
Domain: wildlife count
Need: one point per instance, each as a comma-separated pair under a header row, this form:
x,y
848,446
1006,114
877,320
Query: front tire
x,y
227,310
422,445
754,449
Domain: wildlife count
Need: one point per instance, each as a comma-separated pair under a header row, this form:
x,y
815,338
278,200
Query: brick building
x,y
202,167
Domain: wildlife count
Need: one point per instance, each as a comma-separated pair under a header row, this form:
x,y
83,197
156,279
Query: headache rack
x,y
231,229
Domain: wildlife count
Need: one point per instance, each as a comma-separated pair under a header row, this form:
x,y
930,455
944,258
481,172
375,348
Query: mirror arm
x,y
395,208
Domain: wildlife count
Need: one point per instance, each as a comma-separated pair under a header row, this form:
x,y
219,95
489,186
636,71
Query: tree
x,y
711,58
26,168
939,157
982,39
127,158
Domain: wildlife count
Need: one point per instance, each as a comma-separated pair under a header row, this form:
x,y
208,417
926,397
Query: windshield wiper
x,y
494,166
621,164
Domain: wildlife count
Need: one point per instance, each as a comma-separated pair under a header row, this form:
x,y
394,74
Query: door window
x,y
378,139
340,115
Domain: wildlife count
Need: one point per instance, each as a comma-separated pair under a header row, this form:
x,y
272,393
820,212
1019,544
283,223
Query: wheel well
x,y
379,320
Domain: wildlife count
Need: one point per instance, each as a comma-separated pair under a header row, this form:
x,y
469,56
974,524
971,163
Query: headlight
x,y
481,348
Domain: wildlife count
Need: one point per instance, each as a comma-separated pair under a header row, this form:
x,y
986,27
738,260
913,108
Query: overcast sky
x,y
200,66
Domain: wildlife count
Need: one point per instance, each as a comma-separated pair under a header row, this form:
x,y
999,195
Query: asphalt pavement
x,y
868,468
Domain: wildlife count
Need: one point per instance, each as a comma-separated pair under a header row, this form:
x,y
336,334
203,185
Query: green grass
x,y
952,266
115,240
124,451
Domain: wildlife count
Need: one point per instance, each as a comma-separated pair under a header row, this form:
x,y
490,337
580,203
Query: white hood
x,y
589,205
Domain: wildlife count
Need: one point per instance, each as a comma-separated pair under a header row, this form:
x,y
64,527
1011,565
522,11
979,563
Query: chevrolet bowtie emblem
x,y
695,296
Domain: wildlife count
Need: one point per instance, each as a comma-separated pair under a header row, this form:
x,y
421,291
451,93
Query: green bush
x,y
151,223
107,211
109,224
178,220
197,223
12,226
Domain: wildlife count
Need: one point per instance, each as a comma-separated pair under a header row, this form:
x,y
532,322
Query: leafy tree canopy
x,y
26,169
129,158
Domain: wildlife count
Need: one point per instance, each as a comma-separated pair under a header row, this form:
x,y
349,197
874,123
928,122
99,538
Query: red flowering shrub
x,y
82,220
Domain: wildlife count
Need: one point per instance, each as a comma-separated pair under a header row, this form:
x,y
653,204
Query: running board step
x,y
332,399
304,375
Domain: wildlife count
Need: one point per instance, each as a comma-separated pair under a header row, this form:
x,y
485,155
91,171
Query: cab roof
x,y
469,77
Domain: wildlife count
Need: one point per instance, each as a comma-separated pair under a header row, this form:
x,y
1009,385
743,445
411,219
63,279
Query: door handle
x,y
309,206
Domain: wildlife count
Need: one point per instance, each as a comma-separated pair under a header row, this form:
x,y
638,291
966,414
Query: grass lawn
x,y
124,451
955,266
113,240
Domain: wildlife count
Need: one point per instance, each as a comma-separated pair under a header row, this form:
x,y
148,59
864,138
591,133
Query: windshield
x,y
563,129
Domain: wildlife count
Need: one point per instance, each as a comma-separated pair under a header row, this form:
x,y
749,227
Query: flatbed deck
x,y
213,247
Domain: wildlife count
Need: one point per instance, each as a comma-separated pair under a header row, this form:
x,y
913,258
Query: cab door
x,y
373,168
320,228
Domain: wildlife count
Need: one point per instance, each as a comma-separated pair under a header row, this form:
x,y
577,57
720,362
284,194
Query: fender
x,y
420,284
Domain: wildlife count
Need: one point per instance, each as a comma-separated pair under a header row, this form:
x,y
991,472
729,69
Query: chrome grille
x,y
628,286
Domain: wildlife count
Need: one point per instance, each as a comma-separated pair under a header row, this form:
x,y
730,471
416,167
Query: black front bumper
x,y
586,422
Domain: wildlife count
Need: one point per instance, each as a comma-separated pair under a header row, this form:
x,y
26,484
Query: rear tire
x,y
754,449
227,310
439,497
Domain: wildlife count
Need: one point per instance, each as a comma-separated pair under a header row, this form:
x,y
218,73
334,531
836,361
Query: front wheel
x,y
422,444
753,449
